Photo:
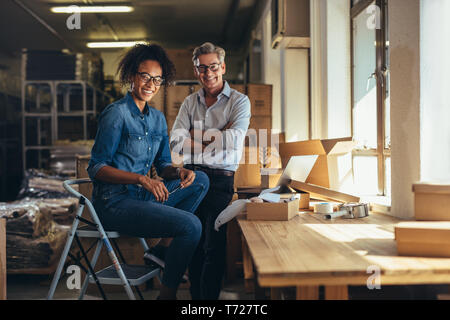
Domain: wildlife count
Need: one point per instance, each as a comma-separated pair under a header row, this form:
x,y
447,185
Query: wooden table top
x,y
308,250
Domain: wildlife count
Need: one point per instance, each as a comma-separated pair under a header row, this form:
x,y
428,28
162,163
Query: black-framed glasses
x,y
146,78
213,67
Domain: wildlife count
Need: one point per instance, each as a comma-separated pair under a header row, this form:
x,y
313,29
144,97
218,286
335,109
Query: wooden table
x,y
308,251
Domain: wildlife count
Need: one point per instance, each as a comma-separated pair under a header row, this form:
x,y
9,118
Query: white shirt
x,y
226,150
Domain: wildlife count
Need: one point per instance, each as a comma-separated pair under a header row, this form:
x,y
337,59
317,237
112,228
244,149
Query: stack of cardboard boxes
x,y
429,236
169,100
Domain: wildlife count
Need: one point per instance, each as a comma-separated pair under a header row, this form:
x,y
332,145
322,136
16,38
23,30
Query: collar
x,y
134,109
226,91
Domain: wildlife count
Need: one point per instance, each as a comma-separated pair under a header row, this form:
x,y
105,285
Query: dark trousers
x,y
207,266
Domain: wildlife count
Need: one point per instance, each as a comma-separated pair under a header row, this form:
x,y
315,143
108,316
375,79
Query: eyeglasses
x,y
213,67
145,77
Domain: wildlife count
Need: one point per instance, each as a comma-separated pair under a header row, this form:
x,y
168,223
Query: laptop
x,y
298,168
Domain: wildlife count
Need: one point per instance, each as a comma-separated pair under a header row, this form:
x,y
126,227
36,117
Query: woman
x,y
131,137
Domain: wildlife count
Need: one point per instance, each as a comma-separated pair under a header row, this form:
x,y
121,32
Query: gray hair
x,y
206,48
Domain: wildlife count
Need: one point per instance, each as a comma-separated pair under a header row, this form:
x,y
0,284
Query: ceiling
x,y
171,23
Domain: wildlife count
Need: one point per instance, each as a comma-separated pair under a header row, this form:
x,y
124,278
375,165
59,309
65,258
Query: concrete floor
x,y
35,287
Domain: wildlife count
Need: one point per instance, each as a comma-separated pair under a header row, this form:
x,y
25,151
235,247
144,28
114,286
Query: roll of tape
x,y
323,208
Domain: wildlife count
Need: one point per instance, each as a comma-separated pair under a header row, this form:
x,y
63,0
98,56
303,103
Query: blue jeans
x,y
138,214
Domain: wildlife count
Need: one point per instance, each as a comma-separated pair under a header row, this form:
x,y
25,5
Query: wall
x,y
339,70
404,37
331,70
434,90
295,93
288,72
272,70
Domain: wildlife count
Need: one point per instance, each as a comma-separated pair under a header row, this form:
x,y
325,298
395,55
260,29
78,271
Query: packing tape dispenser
x,y
350,211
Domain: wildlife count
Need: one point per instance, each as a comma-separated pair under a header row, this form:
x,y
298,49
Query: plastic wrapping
x,y
34,240
37,184
238,207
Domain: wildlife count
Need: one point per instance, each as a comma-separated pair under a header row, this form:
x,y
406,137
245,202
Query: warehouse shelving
x,y
58,106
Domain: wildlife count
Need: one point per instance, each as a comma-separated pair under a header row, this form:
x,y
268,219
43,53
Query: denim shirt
x,y
129,140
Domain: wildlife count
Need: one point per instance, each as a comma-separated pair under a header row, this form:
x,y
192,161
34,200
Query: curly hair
x,y
131,60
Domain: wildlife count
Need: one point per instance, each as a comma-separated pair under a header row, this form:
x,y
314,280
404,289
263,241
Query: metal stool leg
x,y
110,250
98,249
113,274
123,260
65,252
90,267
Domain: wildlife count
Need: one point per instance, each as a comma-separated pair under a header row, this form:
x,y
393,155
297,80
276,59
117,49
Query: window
x,y
370,96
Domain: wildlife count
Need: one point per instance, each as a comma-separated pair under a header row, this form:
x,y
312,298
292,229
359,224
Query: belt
x,y
211,171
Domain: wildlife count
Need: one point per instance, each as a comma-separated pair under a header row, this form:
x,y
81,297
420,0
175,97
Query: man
x,y
210,131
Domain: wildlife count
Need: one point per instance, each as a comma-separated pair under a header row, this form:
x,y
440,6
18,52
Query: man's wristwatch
x,y
178,172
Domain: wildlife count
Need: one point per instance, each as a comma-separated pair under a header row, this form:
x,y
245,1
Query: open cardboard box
x,y
248,173
270,177
280,211
333,168
299,168
292,182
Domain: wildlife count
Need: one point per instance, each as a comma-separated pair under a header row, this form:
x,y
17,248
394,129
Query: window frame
x,y
381,152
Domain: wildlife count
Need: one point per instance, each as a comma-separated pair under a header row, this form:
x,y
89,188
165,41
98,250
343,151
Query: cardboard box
x,y
333,168
270,177
286,192
260,96
170,121
175,96
81,172
195,88
322,193
158,101
281,211
182,59
264,138
431,201
261,122
247,175
423,239
303,199
239,87
248,172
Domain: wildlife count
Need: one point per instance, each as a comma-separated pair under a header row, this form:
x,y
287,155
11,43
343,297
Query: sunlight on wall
x,y
435,94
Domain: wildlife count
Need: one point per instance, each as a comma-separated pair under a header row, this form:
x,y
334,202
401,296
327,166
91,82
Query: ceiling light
x,y
91,9
113,44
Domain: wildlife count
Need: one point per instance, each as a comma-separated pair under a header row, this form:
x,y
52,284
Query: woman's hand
x,y
156,187
187,177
